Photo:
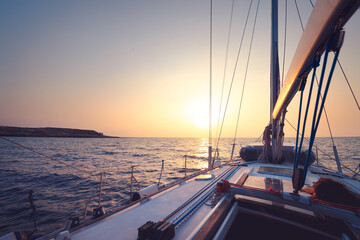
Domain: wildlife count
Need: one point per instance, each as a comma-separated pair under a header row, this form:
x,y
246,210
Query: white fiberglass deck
x,y
126,222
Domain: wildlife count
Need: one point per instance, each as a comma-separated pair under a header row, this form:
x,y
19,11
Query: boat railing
x,y
131,181
100,209
357,171
185,159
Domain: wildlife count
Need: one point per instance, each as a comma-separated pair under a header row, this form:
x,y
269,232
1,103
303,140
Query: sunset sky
x,y
141,68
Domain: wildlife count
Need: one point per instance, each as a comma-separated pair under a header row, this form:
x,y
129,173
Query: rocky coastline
x,y
50,132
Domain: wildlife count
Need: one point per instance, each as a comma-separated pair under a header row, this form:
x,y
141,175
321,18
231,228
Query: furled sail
x,y
327,17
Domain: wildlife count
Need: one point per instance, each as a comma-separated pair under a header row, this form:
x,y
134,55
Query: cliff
x,y
49,132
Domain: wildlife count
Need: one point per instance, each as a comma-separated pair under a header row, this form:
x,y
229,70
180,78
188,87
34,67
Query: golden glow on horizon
x,y
198,113
146,77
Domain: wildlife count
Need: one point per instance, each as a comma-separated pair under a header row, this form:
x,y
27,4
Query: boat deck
x,y
197,212
126,222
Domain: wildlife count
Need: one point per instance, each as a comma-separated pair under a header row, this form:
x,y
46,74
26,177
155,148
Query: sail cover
x,y
327,17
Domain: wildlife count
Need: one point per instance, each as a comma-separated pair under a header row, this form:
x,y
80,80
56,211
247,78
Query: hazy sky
x,y
141,68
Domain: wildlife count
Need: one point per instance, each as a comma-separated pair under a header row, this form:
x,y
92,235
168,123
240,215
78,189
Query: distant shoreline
x,y
50,132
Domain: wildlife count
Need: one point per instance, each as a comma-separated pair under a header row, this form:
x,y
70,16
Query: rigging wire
x,y
262,134
338,61
283,67
246,70
210,100
311,3
326,116
352,92
319,108
326,154
347,81
297,9
233,75
317,82
225,67
315,64
51,158
327,120
87,172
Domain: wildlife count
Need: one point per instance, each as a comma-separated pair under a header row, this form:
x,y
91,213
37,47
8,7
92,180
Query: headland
x,y
50,132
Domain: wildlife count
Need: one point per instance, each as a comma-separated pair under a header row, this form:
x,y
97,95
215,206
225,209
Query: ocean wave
x,y
196,157
140,155
110,153
182,170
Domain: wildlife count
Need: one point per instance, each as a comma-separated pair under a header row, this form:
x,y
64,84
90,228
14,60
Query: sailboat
x,y
272,190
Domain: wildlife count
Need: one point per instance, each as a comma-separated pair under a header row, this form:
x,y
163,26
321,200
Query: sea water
x,y
62,185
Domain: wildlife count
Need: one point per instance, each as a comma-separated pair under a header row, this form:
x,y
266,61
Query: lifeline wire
x,y
51,158
162,169
57,160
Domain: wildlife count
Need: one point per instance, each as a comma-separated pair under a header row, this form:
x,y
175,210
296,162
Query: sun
x,y
198,113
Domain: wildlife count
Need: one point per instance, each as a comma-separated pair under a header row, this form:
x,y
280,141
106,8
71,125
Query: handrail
x,y
100,191
88,201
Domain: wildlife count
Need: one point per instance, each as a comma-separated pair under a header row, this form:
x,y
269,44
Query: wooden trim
x,y
213,223
243,178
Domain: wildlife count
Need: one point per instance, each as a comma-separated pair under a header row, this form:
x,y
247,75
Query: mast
x,y
274,75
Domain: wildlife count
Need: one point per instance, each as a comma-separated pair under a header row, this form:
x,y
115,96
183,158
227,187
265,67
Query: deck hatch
x,y
286,172
264,183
